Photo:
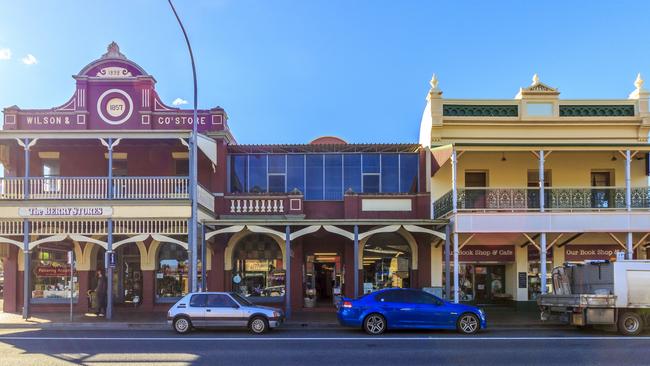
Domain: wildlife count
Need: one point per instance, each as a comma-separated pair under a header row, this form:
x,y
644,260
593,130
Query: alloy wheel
x,y
375,324
468,324
258,325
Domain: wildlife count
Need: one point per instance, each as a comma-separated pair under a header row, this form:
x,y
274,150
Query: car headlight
x,y
276,314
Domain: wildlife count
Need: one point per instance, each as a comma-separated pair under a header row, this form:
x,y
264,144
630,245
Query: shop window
x,y
129,275
257,170
352,172
333,177
51,274
257,267
51,169
314,177
238,173
386,262
171,272
296,172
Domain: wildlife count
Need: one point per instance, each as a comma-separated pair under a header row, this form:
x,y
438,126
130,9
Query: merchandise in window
x,y
258,267
171,271
51,273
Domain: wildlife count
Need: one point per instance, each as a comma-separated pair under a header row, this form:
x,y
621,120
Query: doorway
x,y
476,183
489,281
601,193
323,279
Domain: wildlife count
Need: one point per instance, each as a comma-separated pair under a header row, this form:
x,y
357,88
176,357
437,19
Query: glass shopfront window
x,y
324,176
258,267
51,274
386,262
128,287
171,272
480,283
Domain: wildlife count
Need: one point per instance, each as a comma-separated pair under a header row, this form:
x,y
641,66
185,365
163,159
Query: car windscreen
x,y
241,300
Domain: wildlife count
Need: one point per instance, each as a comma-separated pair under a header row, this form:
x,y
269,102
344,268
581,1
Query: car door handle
x,y
406,309
208,310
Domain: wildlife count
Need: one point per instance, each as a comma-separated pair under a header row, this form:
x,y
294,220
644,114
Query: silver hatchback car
x,y
221,309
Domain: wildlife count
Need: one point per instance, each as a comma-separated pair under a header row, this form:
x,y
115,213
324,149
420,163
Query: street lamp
x,y
193,167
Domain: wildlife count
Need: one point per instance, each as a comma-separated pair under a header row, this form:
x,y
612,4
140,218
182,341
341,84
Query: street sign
x,y
110,259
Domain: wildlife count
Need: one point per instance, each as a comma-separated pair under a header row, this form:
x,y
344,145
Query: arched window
x,y
386,262
171,272
258,267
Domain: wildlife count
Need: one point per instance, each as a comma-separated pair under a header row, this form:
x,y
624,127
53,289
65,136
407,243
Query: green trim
x,y
624,110
469,110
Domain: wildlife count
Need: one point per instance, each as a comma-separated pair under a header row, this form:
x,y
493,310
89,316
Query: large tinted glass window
x,y
390,173
257,173
408,173
276,183
333,177
314,174
238,168
296,172
277,163
352,172
371,183
371,163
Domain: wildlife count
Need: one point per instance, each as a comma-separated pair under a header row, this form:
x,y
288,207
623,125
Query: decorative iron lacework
x,y
596,110
465,110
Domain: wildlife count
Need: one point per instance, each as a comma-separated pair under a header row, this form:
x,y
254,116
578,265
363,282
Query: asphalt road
x,y
321,347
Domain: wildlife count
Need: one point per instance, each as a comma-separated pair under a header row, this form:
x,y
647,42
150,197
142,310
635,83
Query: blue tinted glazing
x,y
352,172
257,173
333,177
314,174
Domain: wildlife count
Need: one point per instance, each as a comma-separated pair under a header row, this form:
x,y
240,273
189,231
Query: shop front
x,y
534,272
483,273
578,253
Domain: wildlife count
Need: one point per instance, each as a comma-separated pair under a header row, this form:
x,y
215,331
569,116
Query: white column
x,y
456,277
542,244
628,200
454,181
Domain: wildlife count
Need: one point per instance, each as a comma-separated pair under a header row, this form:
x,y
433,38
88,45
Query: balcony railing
x,y
527,199
95,188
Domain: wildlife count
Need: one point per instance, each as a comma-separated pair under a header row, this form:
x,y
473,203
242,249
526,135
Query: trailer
x,y
600,293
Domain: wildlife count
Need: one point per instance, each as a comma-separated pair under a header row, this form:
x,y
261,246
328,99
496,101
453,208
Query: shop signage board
x,y
522,279
52,271
579,253
66,212
534,255
487,253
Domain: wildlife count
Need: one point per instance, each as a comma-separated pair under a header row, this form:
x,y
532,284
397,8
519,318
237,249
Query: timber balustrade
x,y
527,199
95,188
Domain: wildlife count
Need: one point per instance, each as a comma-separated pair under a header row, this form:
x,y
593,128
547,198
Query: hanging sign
x,y
65,212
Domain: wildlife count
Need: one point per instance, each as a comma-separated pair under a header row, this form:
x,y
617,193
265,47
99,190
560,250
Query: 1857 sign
x,y
66,211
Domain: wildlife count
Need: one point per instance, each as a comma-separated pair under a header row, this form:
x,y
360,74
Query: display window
x,y
386,262
171,272
128,284
258,267
481,283
51,274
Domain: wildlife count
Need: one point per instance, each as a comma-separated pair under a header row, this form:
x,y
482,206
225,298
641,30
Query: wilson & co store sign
x,y
66,211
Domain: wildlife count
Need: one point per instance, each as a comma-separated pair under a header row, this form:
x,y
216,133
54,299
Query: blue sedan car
x,y
408,309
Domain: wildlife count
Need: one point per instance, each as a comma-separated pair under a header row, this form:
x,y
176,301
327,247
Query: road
x,y
321,347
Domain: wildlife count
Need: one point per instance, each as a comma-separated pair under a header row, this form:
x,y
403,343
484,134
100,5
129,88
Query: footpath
x,y
498,317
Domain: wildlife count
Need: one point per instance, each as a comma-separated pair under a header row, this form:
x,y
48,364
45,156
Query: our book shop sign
x,y
577,253
487,253
66,212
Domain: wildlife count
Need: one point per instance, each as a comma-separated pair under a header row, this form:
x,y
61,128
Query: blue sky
x,y
289,71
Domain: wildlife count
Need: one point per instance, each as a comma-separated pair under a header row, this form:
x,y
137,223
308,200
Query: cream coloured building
x,y
486,161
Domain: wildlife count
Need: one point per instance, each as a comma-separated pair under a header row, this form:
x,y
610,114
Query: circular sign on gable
x,y
116,107
113,104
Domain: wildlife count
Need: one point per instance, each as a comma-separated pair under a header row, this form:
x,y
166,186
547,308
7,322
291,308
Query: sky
x,y
290,71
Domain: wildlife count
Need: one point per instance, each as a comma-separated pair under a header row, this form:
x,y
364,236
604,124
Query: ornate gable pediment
x,y
537,88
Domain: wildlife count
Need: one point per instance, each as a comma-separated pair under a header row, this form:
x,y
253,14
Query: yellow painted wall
x,y
568,169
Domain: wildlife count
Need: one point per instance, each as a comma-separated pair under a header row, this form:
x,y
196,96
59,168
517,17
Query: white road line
x,y
293,339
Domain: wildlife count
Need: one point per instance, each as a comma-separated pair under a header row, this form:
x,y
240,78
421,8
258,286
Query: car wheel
x,y
182,325
258,325
374,324
468,324
630,324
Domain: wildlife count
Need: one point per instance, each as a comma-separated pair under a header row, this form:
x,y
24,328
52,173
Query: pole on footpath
x,y
193,186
